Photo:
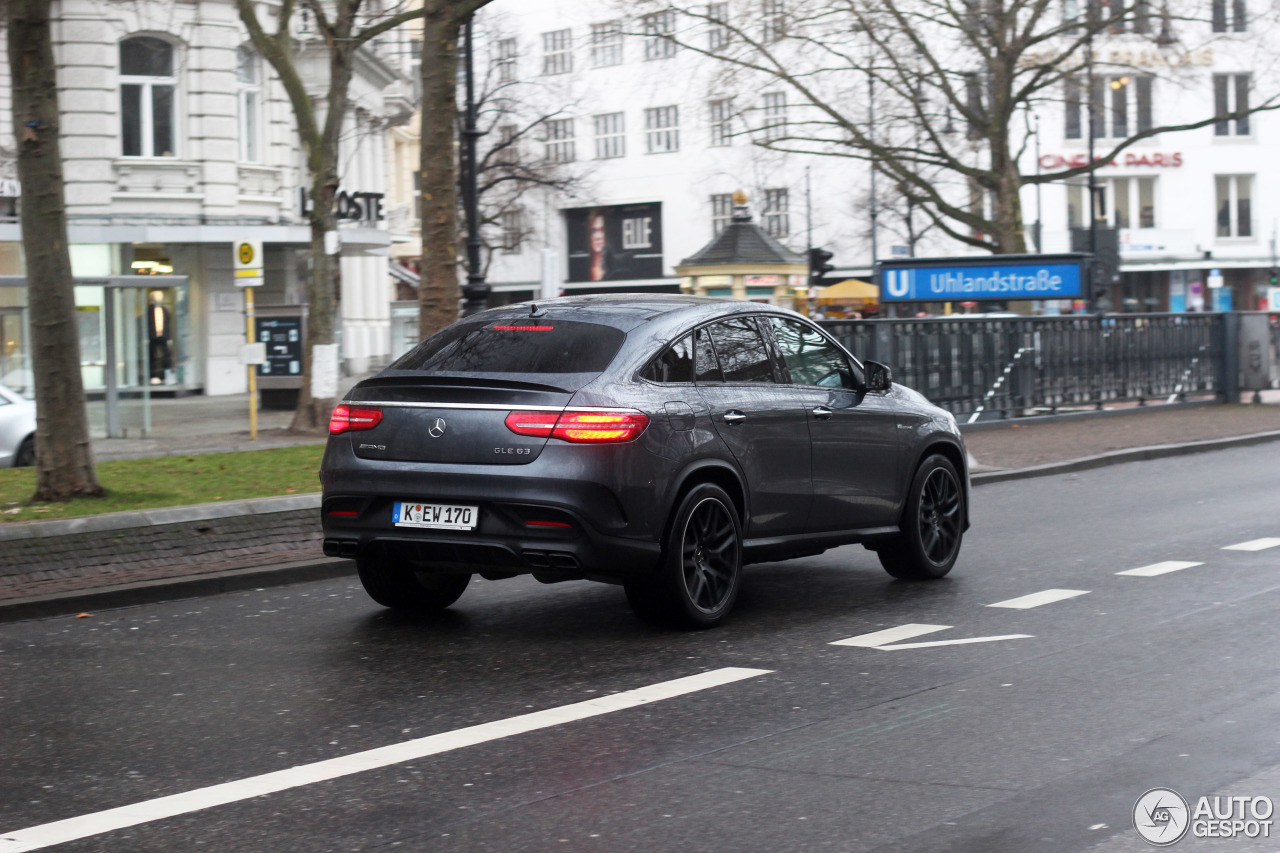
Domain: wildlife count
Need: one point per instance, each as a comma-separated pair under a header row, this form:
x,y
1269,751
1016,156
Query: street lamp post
x,y
476,291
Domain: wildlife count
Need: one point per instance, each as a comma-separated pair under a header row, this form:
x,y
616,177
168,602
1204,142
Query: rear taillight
x,y
580,427
350,418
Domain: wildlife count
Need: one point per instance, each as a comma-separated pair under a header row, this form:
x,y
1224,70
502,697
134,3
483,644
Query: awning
x,y
851,289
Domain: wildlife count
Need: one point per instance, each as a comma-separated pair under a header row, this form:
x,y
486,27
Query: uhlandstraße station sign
x,y
1003,277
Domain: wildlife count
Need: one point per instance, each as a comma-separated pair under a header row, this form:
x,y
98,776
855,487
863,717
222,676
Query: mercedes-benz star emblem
x,y
437,428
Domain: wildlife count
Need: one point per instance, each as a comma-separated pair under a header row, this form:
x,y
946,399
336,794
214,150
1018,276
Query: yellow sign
x,y
246,253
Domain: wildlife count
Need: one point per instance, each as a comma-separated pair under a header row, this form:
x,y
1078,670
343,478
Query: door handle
x,y
734,417
822,413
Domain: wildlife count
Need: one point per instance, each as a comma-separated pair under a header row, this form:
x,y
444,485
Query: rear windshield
x,y
527,345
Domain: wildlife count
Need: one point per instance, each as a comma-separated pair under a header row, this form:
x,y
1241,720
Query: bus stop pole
x,y
251,338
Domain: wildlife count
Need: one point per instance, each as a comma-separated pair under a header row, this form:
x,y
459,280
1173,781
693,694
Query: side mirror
x,y
879,376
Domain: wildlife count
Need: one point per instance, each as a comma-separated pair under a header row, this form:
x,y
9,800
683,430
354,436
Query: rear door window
x,y
706,365
530,345
743,355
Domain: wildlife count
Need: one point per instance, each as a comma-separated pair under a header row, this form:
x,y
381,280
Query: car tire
x,y
700,574
408,590
26,455
932,525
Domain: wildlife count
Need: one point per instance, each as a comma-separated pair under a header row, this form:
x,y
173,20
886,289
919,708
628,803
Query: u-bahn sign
x,y
1004,277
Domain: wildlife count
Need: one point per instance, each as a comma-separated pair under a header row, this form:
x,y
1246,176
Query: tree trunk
x,y
438,292
312,413
63,456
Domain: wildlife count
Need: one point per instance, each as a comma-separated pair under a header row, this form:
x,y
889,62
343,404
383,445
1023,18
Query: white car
x,y
17,430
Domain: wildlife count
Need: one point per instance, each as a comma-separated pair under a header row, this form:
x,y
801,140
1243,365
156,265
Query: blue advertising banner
x,y
963,279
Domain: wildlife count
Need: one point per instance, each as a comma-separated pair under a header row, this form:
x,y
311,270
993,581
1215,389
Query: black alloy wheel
x,y
932,525
407,590
26,455
701,570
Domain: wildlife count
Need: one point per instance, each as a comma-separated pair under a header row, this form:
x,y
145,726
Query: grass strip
x,y
133,484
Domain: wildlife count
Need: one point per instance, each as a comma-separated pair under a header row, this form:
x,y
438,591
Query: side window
x,y
707,367
673,364
810,357
742,351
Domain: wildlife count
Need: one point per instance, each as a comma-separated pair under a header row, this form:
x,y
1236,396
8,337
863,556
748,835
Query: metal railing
x,y
1006,367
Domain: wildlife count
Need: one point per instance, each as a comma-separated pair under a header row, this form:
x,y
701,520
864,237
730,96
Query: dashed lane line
x,y
1039,599
84,826
888,639
1254,545
1155,569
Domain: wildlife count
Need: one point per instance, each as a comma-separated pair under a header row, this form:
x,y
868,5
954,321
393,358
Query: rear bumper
x,y
528,522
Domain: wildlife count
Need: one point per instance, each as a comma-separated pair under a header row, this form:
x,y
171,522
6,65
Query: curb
x,y
170,589
1118,457
173,589
161,515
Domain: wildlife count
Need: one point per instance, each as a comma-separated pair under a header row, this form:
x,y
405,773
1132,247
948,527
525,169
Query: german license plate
x,y
434,516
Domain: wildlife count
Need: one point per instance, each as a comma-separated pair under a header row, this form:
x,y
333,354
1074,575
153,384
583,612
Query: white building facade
x,y
178,143
647,126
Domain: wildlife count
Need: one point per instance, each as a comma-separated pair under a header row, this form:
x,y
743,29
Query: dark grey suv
x,y
661,442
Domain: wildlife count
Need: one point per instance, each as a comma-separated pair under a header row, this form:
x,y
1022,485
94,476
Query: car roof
x,y
627,311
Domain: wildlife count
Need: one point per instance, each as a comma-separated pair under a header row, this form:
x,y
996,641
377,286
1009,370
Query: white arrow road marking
x,y
59,832
887,640
1036,599
1159,569
1254,545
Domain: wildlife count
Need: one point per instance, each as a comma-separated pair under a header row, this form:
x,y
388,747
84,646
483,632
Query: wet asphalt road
x,y
1042,742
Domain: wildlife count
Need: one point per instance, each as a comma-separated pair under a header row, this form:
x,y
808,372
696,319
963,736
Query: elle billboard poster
x,y
616,243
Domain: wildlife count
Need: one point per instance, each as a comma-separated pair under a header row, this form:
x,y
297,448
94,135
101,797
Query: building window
x,y
606,44
249,95
661,130
1229,16
1071,101
721,212
777,220
512,231
557,52
505,60
1122,203
559,141
1231,93
659,35
774,21
1122,107
775,115
148,91
718,25
611,136
1235,203
507,150
721,122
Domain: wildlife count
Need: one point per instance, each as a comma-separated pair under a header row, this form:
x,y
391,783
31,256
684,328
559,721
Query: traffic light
x,y
1275,276
819,266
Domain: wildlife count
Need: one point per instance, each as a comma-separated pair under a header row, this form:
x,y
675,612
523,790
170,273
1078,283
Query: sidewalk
x,y
128,558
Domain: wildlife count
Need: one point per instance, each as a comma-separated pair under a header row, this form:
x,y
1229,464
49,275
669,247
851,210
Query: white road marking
x,y
887,640
931,644
1036,599
1159,569
1254,545
84,826
889,635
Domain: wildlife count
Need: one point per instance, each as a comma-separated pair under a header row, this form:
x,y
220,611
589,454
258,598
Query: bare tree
x,y
931,91
63,455
438,293
344,28
512,163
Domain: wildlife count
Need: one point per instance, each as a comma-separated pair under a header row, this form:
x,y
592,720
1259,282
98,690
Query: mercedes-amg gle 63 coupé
x,y
659,442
